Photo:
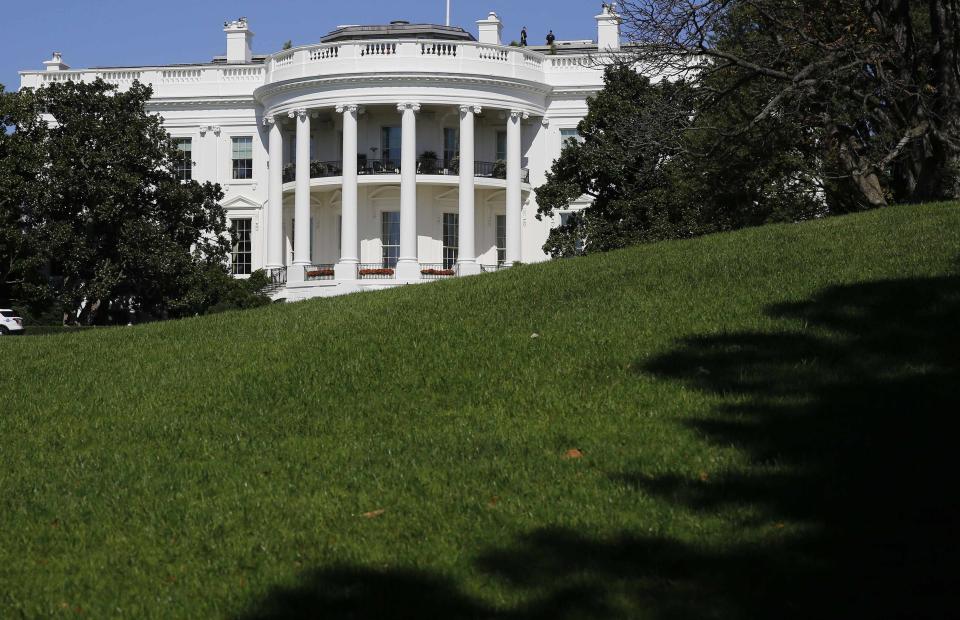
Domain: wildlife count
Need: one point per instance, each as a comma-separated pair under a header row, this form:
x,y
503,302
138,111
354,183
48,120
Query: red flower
x,y
376,272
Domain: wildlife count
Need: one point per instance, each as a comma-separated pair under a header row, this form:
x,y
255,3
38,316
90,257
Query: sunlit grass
x,y
187,469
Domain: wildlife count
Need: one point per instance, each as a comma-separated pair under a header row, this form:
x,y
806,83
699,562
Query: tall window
x,y
501,239
502,145
451,143
183,166
241,252
451,239
580,243
390,238
242,157
568,134
390,143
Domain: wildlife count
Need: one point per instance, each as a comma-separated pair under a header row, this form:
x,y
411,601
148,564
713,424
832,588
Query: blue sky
x,y
156,32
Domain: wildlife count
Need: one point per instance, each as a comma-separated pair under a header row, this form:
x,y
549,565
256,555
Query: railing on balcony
x,y
387,165
438,271
495,59
376,271
318,170
492,268
312,273
277,276
382,165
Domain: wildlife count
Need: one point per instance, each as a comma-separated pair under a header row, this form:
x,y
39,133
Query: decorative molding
x,y
298,113
414,79
408,105
521,114
269,121
350,107
471,108
380,193
545,122
205,128
240,202
451,194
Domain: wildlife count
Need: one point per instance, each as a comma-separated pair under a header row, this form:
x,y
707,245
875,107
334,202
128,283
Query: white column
x,y
346,269
408,265
514,202
467,253
275,196
301,233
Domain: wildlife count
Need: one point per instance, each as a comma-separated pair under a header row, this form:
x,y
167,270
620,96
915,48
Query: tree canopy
x,y
94,217
761,111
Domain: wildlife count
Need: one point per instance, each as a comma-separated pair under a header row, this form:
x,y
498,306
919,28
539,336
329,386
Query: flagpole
x,y
448,12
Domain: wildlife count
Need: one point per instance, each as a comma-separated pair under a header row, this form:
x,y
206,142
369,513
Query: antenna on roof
x,y
448,12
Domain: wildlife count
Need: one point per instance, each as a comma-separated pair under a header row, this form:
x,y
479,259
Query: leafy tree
x,y
21,256
878,80
651,178
117,228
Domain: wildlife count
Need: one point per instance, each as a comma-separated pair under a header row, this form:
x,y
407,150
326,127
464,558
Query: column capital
x,y
300,113
470,108
519,114
269,121
408,105
344,108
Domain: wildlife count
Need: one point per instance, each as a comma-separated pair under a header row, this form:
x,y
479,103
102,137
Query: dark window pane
x,y
241,253
451,239
390,238
243,157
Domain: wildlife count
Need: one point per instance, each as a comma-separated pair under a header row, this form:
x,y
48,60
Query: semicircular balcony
x,y
378,71
430,171
392,55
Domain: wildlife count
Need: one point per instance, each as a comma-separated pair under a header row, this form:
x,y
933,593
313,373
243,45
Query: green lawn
x,y
762,416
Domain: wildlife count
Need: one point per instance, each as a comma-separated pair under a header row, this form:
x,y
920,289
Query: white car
x,y
10,323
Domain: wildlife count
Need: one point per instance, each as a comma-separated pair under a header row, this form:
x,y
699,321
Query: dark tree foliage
x,y
21,257
97,200
650,175
620,165
876,81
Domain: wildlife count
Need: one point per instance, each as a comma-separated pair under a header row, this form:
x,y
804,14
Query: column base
x,y
408,270
346,270
295,272
471,268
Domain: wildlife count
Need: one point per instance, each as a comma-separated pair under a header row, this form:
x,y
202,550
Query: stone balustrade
x,y
461,57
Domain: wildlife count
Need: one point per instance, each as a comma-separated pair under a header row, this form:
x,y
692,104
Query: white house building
x,y
381,155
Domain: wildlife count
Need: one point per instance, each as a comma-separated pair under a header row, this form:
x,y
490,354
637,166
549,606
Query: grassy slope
x,y
728,394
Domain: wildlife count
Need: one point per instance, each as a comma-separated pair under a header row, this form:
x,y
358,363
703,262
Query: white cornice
x,y
210,103
421,78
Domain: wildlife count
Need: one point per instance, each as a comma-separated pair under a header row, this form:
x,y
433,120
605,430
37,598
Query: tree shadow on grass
x,y
846,425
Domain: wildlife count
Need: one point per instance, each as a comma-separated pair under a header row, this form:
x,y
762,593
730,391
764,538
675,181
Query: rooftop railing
x,y
403,54
466,56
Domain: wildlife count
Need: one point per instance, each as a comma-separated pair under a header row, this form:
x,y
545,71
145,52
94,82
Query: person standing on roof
x,y
550,38
523,37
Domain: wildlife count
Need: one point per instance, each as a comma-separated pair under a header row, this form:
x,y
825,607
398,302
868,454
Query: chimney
x,y
56,63
491,29
239,41
608,29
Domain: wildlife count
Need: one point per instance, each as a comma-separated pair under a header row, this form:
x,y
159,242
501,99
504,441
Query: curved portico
x,y
467,174
343,90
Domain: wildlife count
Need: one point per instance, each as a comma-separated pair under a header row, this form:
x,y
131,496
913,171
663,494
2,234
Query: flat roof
x,y
398,30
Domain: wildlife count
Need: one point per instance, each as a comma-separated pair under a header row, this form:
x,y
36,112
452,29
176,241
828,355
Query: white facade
x,y
344,164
